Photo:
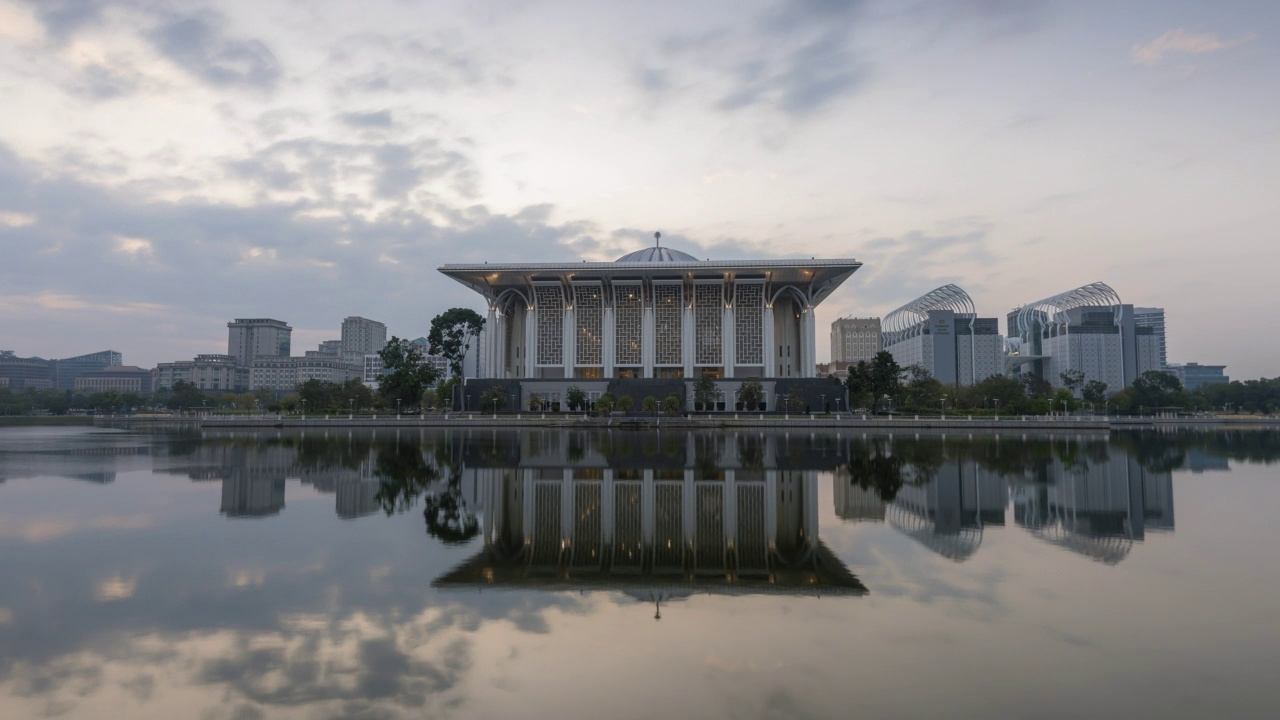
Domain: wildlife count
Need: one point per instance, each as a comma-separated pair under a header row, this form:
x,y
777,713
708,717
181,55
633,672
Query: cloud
x,y
198,45
62,18
377,119
1181,42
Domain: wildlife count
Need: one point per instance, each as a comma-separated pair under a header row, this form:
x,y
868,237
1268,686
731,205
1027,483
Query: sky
x,y
166,165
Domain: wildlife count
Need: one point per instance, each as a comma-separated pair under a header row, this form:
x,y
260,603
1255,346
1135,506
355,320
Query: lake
x,y
564,574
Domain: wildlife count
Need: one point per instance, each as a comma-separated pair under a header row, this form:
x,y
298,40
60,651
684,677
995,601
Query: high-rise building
x,y
249,338
66,371
30,372
855,339
1086,330
941,331
1154,319
361,336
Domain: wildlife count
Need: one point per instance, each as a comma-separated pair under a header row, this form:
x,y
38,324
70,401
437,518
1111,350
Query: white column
x,y
530,343
569,335
648,349
687,342
500,346
770,353
728,346
608,335
491,334
808,345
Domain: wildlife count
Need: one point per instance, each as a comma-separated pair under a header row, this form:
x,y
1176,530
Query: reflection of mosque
x,y
1096,508
654,533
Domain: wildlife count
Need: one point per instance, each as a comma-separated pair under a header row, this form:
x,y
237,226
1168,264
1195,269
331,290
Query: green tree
x,y
406,373
451,334
886,376
605,403
704,393
671,404
537,402
1095,392
1072,380
185,395
625,403
649,404
860,386
751,395
575,398
493,399
1036,386
1064,400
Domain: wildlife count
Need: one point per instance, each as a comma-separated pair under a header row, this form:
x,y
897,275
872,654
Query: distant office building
x,y
118,378
1087,329
31,372
942,332
1195,376
330,347
67,370
372,369
219,372
284,375
166,374
1154,319
361,336
854,339
249,338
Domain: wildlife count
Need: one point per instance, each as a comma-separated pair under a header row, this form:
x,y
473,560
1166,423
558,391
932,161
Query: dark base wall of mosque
x,y
782,395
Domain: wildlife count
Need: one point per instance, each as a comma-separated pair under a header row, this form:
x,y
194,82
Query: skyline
x,y
166,167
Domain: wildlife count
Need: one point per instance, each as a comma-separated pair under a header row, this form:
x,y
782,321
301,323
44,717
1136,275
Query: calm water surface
x,y
574,575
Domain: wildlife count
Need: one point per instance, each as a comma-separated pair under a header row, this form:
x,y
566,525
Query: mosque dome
x,y
657,254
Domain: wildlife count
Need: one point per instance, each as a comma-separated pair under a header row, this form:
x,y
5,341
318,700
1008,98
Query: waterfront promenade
x,y
724,420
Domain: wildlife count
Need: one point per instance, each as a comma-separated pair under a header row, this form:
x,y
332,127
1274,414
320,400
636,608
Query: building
x,y
1087,329
118,378
219,372
1195,376
657,314
855,339
31,372
330,347
1154,319
942,332
361,336
67,370
249,338
284,375
166,374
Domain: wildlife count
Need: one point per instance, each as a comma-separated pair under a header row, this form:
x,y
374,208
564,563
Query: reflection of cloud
x,y
1181,42
115,588
45,529
6,616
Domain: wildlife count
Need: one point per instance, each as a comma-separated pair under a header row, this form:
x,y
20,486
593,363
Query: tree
x,y
859,385
751,395
625,403
605,403
407,374
451,334
649,404
493,399
1064,399
1095,392
185,395
575,398
1072,380
1036,386
671,404
704,393
537,402
885,376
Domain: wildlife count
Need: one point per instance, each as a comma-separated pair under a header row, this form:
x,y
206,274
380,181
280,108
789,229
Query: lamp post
x,y
944,407
1064,408
351,409
997,408
304,408
397,408
823,400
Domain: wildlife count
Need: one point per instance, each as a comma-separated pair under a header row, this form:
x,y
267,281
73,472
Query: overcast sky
x,y
168,165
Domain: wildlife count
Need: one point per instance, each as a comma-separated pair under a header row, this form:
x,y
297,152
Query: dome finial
x,y
657,239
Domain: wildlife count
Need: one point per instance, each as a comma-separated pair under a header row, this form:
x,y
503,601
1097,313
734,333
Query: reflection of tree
x,y
872,466
405,475
446,513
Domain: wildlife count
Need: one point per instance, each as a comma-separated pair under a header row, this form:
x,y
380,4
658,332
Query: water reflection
x,y
208,576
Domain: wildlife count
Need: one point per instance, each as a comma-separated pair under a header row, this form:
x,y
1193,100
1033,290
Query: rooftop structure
x,y
942,332
1087,329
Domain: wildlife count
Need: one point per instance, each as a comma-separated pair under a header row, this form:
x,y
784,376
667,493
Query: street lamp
x,y
944,407
351,408
997,408
397,408
1064,408
304,408
823,401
